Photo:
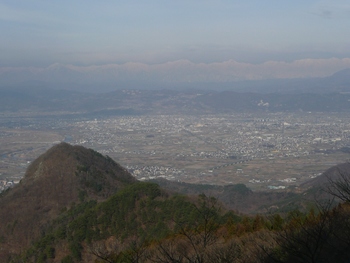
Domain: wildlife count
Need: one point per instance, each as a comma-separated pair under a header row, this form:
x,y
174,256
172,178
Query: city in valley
x,y
265,151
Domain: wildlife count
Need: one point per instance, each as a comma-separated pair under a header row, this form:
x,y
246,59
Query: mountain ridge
x,y
56,180
60,76
69,104
74,202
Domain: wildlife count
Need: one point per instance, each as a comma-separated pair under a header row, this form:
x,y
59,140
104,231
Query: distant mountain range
x,y
109,78
50,94
73,104
338,82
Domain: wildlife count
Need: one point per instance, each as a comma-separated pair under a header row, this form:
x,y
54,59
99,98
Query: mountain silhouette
x,y
54,182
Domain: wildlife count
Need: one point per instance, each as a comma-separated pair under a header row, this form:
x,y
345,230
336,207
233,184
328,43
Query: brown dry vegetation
x,y
75,205
62,176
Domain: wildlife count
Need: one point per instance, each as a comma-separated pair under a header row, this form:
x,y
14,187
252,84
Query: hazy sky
x,y
151,34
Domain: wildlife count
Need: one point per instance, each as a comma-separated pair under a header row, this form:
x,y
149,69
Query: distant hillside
x,y
329,94
60,76
338,82
72,199
58,179
240,198
71,104
75,205
332,174
229,101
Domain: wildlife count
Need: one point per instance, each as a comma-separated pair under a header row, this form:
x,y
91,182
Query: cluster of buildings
x,y
164,146
231,138
152,172
5,184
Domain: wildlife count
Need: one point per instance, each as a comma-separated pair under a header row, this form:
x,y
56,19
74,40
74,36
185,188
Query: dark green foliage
x,y
75,248
96,153
134,208
50,252
239,188
82,195
98,175
314,237
42,258
92,181
110,159
277,222
67,259
60,233
82,168
140,210
42,250
143,223
231,217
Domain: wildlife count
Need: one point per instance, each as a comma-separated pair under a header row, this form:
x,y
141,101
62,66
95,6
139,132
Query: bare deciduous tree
x,y
339,184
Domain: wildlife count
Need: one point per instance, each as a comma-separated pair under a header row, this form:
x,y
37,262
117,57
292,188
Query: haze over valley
x,y
265,141
174,131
